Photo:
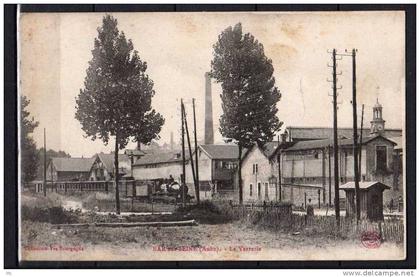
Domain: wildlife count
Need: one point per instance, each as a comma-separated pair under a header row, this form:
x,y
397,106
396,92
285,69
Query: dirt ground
x,y
224,241
40,241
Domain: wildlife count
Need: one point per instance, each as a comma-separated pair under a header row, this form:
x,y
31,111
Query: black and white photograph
x,y
212,136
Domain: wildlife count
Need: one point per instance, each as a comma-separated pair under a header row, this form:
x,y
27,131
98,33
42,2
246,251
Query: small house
x,y
103,167
371,199
69,169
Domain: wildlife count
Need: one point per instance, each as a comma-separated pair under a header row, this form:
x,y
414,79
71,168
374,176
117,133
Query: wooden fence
x,y
392,230
279,216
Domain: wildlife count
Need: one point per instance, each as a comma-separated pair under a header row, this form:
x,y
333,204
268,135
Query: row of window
x,y
315,179
259,190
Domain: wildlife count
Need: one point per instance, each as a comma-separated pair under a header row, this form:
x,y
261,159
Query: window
x,y
250,189
255,169
316,155
381,158
259,190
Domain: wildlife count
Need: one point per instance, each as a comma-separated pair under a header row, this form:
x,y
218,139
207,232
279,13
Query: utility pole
x,y
197,186
189,145
45,164
183,154
360,144
355,144
279,167
336,181
329,175
52,177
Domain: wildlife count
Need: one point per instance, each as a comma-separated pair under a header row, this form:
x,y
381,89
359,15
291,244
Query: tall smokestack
x,y
208,126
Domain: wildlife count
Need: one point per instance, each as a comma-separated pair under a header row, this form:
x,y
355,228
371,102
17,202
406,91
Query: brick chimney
x,y
208,126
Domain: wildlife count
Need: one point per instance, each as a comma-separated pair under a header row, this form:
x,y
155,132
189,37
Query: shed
x,y
371,199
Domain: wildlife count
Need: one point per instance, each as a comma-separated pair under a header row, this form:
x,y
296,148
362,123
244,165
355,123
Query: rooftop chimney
x,y
208,127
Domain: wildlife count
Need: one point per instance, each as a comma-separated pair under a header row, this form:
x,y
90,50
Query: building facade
x,y
306,165
69,169
103,167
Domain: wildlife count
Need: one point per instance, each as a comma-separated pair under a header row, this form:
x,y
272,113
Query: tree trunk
x,y
240,175
116,177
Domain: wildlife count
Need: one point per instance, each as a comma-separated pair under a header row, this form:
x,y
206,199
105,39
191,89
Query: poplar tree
x,y
29,154
117,94
249,95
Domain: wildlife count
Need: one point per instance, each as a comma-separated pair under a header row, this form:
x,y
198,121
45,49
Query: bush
x,y
208,212
54,215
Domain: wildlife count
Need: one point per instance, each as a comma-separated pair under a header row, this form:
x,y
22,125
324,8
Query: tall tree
x,y
50,154
29,153
117,94
249,95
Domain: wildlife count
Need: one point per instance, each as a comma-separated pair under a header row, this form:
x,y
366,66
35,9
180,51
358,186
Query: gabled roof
x,y
363,185
221,151
318,144
270,148
156,158
72,164
318,133
108,160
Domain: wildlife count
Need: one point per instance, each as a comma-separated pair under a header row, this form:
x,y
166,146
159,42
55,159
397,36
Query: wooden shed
x,y
371,199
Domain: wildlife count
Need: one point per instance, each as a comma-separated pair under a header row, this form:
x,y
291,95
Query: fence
x,y
82,186
279,216
276,213
392,230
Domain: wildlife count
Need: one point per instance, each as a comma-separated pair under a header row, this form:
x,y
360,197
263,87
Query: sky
x,y
55,49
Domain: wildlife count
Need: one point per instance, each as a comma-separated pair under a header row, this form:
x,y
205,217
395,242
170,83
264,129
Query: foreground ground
x,y
216,237
40,241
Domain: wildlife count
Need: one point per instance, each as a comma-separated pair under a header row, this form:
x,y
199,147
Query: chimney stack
x,y
208,127
172,141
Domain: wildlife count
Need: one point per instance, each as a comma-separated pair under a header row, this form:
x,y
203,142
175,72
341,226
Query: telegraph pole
x,y
355,144
183,154
197,188
189,145
336,187
279,166
360,144
45,164
329,175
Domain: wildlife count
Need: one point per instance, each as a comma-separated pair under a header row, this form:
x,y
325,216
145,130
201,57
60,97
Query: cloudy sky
x,y
55,50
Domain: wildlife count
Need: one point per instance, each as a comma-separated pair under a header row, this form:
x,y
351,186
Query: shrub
x,y
208,212
54,215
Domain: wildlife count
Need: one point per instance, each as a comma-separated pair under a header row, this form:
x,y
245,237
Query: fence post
x,y
380,231
319,199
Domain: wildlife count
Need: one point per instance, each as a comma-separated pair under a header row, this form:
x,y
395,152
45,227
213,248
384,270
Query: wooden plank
x,y
128,224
